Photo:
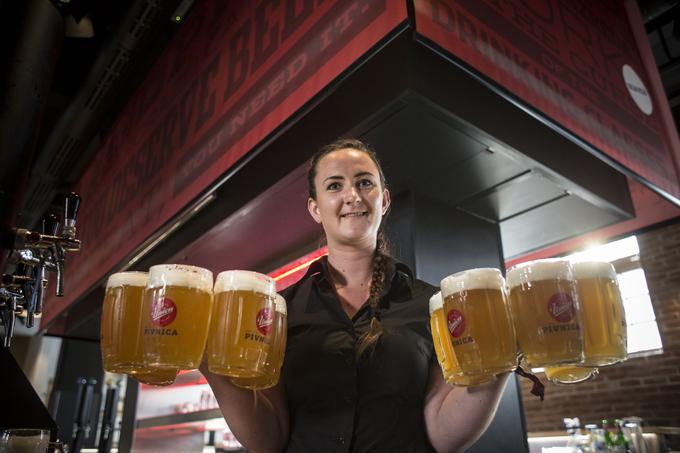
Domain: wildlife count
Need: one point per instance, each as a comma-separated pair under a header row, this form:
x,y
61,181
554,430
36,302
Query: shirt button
x,y
341,440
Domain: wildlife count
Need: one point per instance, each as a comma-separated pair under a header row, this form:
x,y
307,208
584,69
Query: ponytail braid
x,y
369,340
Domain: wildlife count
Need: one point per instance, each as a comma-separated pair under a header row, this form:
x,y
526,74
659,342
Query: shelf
x,y
177,420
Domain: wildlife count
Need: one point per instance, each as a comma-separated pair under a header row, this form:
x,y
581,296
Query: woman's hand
x,y
258,419
455,417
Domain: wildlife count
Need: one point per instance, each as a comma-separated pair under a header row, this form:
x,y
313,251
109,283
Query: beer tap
x,y
70,211
36,292
54,256
8,316
34,253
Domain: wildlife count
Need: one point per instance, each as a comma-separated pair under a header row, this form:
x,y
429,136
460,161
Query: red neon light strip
x,y
298,265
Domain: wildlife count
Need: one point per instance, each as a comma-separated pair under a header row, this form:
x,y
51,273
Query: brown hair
x,y
368,340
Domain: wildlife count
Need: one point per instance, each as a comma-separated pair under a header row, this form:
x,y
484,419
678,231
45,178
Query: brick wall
x,y
648,387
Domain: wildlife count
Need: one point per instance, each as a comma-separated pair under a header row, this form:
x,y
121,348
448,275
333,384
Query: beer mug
x,y
570,374
604,319
545,309
121,340
177,303
242,328
27,440
272,368
478,319
443,347
156,376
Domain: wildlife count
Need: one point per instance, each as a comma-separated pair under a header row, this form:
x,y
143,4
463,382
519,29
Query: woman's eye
x,y
333,186
365,184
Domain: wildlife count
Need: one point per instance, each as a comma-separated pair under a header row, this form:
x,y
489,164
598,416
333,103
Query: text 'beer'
x,y
545,310
177,305
478,319
121,340
443,347
604,318
241,331
272,368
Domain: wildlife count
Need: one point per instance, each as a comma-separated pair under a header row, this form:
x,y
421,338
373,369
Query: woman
x,y
359,372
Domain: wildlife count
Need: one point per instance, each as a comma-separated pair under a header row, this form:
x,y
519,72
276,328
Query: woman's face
x,y
350,201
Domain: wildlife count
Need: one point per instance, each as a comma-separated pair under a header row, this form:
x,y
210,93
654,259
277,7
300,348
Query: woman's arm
x,y
455,417
259,421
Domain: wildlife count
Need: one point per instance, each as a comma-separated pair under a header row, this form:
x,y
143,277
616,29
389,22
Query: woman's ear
x,y
313,209
386,201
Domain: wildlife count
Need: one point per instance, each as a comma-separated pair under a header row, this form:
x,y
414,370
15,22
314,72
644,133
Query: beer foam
x,y
483,278
245,281
180,275
594,269
533,271
280,304
436,302
127,279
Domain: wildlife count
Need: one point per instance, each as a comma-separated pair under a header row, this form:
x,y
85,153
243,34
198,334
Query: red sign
x,y
577,62
163,312
230,77
456,323
264,320
561,307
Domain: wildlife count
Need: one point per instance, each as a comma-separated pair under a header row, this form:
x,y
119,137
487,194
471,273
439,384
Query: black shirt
x,y
338,403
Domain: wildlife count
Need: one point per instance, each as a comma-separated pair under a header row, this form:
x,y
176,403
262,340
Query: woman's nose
x,y
352,195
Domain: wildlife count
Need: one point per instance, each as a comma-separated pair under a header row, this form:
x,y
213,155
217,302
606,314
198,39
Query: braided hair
x,y
368,341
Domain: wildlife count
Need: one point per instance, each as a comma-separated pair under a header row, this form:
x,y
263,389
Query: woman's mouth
x,y
354,214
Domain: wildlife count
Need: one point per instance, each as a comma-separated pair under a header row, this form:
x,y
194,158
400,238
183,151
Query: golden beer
x,y
177,304
478,319
604,318
121,342
241,333
570,374
443,347
157,376
545,309
272,369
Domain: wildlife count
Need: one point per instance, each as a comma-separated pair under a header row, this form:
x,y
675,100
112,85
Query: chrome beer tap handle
x,y
55,256
8,318
49,225
59,263
71,205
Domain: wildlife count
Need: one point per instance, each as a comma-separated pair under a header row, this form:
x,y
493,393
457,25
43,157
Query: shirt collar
x,y
398,274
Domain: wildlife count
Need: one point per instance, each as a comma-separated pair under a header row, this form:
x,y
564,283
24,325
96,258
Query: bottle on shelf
x,y
621,444
595,437
608,438
575,443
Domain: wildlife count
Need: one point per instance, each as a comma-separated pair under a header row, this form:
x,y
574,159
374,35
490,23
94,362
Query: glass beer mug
x,y
570,374
121,339
28,440
177,304
604,319
443,347
272,368
604,323
156,375
478,320
241,339
545,309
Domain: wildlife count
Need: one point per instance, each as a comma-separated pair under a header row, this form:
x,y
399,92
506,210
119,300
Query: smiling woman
x,y
348,197
359,372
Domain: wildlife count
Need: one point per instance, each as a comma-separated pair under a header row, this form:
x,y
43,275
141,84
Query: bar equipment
x,y
31,256
34,254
